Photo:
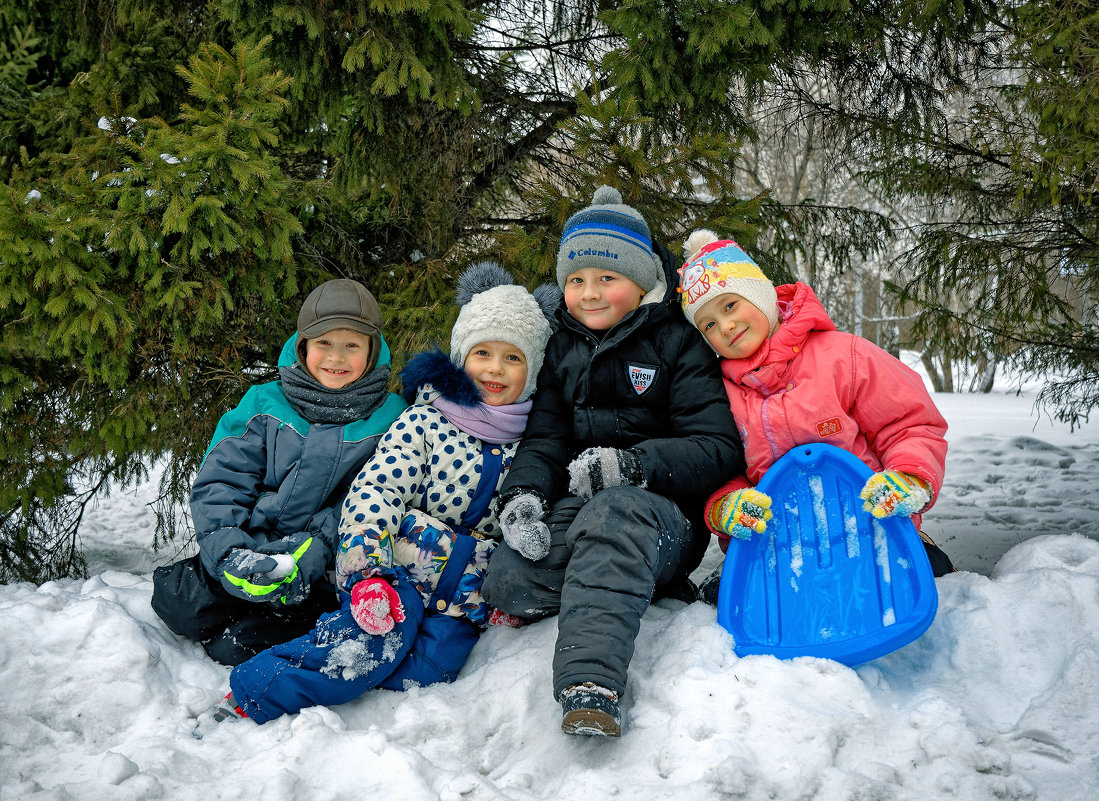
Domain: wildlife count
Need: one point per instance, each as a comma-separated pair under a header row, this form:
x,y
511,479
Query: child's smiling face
x,y
499,369
733,326
338,358
600,298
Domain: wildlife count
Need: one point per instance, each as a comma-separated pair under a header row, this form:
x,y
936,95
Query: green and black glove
x,y
282,571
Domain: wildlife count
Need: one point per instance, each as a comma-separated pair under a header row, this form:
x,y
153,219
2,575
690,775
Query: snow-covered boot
x,y
591,710
225,709
707,590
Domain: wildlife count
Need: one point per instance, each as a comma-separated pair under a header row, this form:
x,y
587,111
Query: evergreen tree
x,y
176,176
1008,262
139,281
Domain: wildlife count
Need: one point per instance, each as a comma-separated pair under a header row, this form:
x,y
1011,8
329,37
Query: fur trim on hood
x,y
447,379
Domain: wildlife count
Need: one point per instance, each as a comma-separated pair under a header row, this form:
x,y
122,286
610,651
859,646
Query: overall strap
x,y
460,555
492,464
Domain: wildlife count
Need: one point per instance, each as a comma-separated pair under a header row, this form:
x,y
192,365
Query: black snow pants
x,y
607,557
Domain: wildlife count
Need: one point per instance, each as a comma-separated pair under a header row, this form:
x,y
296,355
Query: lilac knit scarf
x,y
495,424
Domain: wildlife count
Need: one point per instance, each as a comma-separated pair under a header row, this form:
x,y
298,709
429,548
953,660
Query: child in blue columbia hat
x,y
628,434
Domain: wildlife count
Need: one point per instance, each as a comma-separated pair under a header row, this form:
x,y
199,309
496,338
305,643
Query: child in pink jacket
x,y
793,379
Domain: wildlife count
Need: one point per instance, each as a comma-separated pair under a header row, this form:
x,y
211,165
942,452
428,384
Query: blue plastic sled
x,y
826,578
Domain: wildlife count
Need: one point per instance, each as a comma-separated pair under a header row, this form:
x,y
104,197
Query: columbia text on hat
x,y
609,235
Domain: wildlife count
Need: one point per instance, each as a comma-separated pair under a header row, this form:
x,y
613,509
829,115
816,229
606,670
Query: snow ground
x,y
998,700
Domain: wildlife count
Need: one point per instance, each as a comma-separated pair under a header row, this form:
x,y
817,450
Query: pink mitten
x,y
376,606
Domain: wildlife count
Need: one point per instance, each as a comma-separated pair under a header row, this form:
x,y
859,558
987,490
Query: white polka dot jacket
x,y
424,495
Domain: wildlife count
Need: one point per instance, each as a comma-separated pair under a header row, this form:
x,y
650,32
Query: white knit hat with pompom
x,y
494,309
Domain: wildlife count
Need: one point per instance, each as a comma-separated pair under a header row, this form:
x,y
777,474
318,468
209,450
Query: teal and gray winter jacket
x,y
270,474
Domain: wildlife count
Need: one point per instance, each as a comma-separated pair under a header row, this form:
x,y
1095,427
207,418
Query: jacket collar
x,y
800,314
432,374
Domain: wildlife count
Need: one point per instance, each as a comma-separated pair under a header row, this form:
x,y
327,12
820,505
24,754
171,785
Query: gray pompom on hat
x,y
609,235
340,303
494,309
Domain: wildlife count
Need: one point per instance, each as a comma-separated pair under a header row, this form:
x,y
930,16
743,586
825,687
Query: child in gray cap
x,y
265,503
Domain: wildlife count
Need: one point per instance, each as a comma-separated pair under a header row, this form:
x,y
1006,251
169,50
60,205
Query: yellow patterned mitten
x,y
741,513
890,493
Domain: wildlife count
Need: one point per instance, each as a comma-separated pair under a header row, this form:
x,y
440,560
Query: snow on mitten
x,y
376,606
521,522
741,513
245,574
890,493
598,468
302,559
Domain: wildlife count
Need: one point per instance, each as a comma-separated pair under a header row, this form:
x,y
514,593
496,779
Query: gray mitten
x,y
521,522
598,468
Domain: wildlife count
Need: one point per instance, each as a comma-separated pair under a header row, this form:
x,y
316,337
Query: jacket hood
x,y
800,313
667,289
671,273
446,379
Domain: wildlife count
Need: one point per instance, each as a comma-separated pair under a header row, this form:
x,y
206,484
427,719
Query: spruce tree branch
x,y
1081,344
525,45
514,152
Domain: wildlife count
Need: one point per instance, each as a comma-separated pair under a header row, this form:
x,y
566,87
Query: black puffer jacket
x,y
650,384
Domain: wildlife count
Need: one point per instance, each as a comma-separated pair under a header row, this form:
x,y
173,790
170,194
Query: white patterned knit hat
x,y
496,310
718,267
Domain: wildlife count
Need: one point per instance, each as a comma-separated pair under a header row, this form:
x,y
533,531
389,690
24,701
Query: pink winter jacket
x,y
811,383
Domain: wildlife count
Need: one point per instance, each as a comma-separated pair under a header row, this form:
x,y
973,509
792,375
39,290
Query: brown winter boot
x,y
590,710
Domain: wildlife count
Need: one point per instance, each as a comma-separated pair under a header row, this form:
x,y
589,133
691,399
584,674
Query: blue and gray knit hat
x,y
609,235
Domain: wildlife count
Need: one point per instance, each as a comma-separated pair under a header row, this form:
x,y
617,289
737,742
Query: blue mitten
x,y
521,522
598,468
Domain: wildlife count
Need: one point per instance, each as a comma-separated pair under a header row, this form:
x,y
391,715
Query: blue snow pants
x,y
337,661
